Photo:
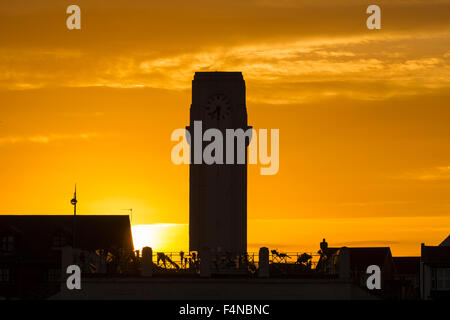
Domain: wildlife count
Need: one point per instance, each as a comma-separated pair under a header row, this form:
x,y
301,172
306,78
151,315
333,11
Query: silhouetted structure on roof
x,y
359,257
435,271
426,277
30,248
352,263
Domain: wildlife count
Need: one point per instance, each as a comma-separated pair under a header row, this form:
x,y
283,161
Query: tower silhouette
x,y
218,192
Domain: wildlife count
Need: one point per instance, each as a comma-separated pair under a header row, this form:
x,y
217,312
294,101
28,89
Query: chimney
x,y
263,262
147,262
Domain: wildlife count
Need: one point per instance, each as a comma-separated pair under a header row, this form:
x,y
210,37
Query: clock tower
x,y
218,191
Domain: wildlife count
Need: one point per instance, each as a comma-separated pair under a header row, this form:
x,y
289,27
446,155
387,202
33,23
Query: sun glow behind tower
x,y
165,237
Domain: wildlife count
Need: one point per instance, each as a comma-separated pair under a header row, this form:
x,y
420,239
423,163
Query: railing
x,y
176,260
130,263
190,261
306,258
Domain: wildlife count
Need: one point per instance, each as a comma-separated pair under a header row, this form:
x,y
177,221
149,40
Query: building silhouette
x,y
435,271
31,248
35,251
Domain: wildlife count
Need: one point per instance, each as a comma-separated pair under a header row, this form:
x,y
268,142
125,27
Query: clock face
x,y
218,107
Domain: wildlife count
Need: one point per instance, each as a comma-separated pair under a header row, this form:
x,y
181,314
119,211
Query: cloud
x,y
83,114
438,173
290,52
45,139
433,174
367,243
302,70
373,203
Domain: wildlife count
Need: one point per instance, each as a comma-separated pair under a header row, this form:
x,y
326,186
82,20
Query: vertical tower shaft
x,y
218,192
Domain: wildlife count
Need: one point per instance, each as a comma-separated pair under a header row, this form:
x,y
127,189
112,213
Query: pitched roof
x,y
435,254
36,232
446,242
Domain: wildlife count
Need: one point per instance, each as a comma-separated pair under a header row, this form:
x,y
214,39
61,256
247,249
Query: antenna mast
x,y
131,214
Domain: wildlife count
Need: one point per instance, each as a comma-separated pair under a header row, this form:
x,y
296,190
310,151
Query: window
x,y
59,240
7,243
4,275
441,279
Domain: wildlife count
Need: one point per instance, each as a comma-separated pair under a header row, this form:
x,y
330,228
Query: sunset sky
x,y
364,115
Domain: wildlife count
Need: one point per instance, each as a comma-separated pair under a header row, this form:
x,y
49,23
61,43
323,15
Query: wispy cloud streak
x,y
45,139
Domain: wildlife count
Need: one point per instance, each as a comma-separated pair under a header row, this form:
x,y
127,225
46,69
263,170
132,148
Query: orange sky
x,y
363,115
